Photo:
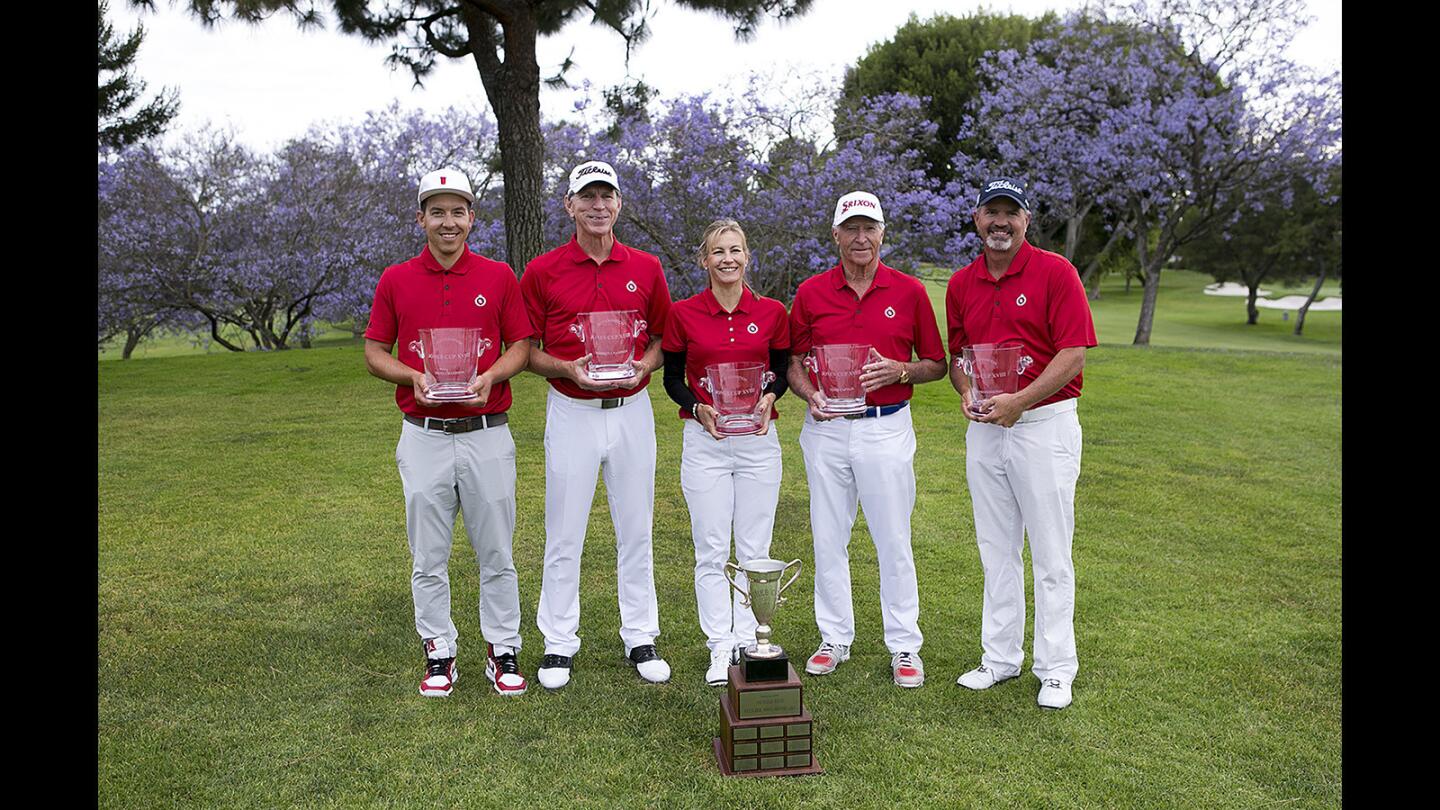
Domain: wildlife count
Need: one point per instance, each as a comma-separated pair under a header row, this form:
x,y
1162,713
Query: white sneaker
x,y
1054,694
827,658
554,671
649,664
908,669
981,677
719,672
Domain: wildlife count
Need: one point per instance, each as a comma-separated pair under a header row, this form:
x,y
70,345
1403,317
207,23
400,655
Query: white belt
x,y
596,402
1047,411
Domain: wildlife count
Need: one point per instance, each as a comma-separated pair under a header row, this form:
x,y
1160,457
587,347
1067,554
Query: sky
x,y
271,82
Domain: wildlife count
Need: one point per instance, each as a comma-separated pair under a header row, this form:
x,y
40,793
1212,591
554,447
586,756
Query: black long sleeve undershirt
x,y
679,391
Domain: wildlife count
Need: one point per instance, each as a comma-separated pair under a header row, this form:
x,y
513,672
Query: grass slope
x,y
256,642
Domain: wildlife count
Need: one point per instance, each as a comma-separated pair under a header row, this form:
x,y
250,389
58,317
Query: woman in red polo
x,y
731,482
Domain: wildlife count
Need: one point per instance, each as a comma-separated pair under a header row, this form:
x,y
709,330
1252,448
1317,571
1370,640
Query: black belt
x,y
877,410
604,404
464,424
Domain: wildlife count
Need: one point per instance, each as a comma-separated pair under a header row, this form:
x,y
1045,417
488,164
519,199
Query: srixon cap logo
x,y
848,204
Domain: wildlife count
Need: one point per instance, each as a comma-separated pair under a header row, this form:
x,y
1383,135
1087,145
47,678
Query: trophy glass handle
x,y
579,331
767,378
744,597
965,366
788,582
1025,362
418,348
482,346
809,363
704,382
638,327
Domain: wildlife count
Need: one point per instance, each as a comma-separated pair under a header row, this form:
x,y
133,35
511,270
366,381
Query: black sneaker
x,y
649,664
554,670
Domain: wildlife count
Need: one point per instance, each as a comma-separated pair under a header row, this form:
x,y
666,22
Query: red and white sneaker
x,y
908,669
827,658
504,672
440,671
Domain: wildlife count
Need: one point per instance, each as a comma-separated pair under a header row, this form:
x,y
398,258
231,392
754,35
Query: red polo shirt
x,y
420,294
708,334
894,316
1039,303
563,283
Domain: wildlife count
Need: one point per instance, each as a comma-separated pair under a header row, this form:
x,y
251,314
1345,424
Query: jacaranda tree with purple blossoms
x,y
209,234
140,232
1165,115
500,37
778,172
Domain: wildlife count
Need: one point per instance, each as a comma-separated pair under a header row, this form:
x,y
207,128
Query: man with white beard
x,y
1022,449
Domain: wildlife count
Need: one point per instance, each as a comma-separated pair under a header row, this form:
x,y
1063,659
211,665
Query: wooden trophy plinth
x,y
765,729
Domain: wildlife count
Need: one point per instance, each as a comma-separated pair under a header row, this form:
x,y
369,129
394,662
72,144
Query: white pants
x,y
870,460
473,473
1022,481
581,439
728,483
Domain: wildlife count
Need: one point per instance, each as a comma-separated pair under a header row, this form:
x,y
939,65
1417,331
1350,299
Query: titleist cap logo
x,y
594,171
1003,187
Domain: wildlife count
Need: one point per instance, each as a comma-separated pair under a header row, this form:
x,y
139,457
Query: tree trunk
x,y
1252,312
513,89
1304,308
1152,288
215,333
132,339
1091,277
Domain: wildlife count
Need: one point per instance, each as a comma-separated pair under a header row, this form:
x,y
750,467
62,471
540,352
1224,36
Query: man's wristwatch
x,y
904,374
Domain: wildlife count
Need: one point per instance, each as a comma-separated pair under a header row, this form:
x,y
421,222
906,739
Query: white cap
x,y
858,203
593,171
445,181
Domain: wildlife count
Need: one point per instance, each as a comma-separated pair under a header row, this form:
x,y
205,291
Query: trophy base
x,y
758,668
718,746
736,427
610,372
449,392
837,407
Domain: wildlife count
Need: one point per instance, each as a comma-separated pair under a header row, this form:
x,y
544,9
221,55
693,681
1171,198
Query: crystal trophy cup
x,y
609,339
993,369
451,355
736,389
765,729
837,369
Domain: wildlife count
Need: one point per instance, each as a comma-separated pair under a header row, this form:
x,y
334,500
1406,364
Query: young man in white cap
x,y
866,457
596,426
1022,450
457,454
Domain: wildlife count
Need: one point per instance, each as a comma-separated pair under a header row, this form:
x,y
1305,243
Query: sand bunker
x,y
1294,302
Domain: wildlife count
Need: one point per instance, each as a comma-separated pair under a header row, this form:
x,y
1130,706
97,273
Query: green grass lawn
x,y
256,641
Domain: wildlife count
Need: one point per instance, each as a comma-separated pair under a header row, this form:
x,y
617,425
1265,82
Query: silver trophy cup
x,y
763,577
